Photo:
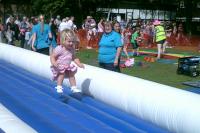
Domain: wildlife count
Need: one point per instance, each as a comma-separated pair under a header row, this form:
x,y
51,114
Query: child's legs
x,y
26,44
89,37
71,77
134,51
159,50
137,50
125,50
164,47
60,79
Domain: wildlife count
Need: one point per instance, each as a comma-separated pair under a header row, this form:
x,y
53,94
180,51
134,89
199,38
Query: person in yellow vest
x,y
159,37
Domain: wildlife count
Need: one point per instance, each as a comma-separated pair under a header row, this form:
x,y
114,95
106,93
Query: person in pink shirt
x,y
127,32
90,26
101,26
62,59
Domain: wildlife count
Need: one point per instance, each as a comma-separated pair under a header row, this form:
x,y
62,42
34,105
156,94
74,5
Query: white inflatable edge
x,y
10,123
168,107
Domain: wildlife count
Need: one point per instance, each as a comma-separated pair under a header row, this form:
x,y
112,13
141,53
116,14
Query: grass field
x,y
164,73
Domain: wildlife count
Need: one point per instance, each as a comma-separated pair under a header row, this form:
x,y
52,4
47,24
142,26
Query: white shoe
x,y
74,89
59,89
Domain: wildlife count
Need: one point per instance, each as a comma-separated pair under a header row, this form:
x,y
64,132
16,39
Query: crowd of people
x,y
21,29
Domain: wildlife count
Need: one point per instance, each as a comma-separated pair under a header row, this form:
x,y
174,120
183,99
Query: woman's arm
x,y
33,41
50,35
117,56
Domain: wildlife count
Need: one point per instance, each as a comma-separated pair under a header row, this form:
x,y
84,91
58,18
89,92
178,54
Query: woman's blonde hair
x,y
108,23
70,34
41,19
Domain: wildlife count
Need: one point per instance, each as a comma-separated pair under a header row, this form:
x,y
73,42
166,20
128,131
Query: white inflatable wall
x,y
171,108
10,123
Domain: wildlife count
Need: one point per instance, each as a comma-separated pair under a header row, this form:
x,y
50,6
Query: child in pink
x,y
127,38
62,58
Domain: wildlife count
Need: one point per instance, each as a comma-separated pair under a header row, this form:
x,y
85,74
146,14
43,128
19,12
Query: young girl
x,y
61,60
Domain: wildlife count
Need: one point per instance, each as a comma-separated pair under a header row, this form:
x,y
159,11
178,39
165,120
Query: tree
x,y
78,8
49,7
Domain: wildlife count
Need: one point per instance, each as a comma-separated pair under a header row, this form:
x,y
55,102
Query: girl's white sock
x,y
59,89
59,86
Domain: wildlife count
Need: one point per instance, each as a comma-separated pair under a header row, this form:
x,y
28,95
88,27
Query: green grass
x,y
157,72
88,56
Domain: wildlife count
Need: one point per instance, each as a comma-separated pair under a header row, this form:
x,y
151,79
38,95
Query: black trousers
x,y
110,66
43,51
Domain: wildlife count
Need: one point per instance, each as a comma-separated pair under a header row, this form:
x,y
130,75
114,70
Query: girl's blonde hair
x,y
70,34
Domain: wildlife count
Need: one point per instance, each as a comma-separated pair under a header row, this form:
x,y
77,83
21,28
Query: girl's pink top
x,y
63,58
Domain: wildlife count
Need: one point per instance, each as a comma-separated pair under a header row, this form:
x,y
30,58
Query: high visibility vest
x,y
160,33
